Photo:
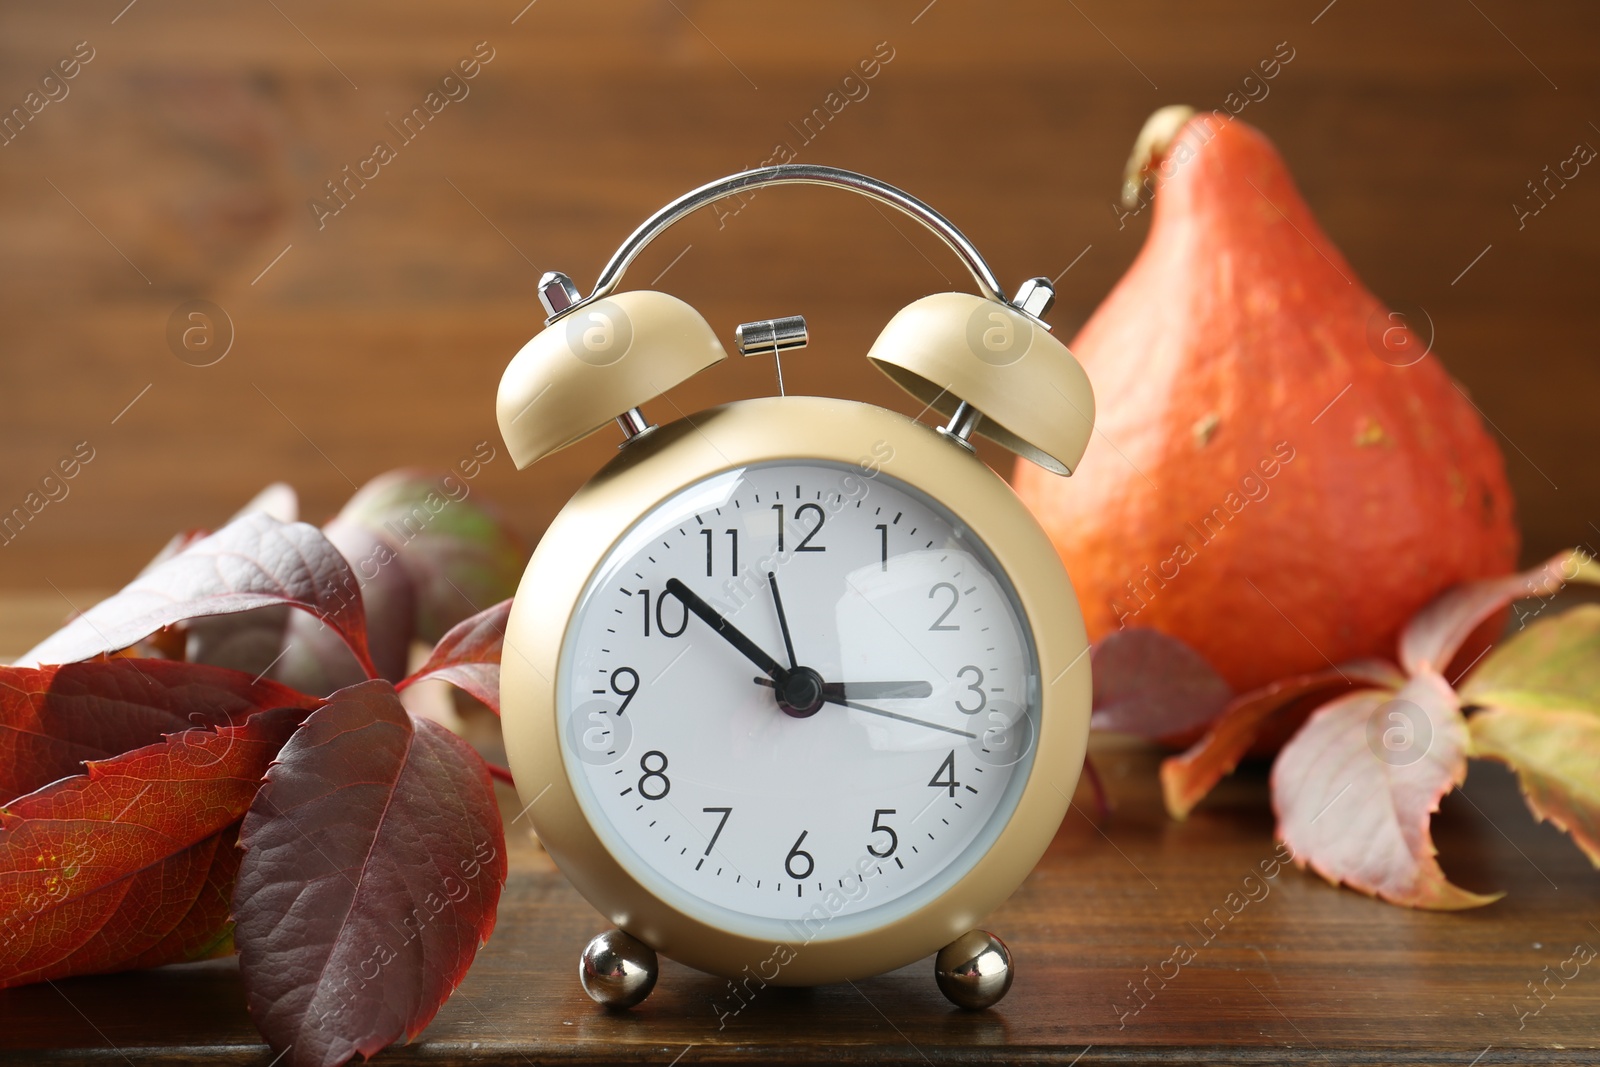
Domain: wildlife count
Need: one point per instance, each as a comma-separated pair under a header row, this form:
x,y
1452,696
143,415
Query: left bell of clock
x,y
597,362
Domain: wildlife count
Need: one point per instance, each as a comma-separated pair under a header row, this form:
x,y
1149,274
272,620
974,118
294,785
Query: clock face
x,y
798,699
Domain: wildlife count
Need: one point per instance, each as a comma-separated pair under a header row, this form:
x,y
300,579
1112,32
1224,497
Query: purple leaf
x,y
374,858
313,657
457,551
1154,686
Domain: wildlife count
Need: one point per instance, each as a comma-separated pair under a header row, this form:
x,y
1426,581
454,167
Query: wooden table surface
x,y
1303,973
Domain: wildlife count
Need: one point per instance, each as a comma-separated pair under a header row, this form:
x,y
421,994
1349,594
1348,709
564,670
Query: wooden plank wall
x,y
180,162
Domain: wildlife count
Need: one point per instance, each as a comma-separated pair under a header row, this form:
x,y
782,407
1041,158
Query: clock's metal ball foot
x,y
617,971
974,970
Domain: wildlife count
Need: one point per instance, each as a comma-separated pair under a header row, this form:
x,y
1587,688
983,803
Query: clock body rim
x,y
800,429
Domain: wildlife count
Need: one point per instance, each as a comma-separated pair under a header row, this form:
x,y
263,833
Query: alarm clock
x,y
795,690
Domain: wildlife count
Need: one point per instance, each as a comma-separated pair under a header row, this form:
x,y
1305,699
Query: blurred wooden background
x,y
180,164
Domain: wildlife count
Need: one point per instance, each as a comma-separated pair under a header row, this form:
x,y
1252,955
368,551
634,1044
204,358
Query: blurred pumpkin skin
x,y
1239,336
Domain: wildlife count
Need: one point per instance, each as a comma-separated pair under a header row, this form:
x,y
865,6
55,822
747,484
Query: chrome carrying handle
x,y
560,297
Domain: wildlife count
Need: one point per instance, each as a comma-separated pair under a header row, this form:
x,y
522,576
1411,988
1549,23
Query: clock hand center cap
x,y
799,692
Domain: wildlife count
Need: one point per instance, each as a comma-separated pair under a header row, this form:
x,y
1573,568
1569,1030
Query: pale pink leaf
x,y
1186,778
1355,791
1435,634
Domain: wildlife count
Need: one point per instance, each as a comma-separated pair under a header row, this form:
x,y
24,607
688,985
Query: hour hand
x,y
726,630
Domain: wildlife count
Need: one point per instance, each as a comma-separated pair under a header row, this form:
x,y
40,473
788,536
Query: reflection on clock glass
x,y
796,693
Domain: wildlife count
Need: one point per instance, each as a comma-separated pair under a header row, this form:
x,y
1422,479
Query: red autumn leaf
x,y
118,867
1356,788
1153,686
168,913
374,858
1432,638
53,719
255,561
206,929
468,657
278,500
1186,778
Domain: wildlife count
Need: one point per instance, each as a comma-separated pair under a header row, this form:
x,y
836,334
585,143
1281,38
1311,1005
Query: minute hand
x,y
726,630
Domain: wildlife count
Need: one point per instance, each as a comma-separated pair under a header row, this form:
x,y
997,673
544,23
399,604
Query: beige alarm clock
x,y
795,690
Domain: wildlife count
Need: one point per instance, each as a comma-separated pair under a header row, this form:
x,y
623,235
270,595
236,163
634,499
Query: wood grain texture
x,y
181,163
1299,972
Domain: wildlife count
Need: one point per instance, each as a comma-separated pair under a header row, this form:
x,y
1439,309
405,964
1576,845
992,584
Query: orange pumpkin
x,y
1281,472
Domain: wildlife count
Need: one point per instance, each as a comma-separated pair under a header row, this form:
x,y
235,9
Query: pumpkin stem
x,y
1159,131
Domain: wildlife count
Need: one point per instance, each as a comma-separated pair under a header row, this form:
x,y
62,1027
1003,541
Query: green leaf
x,y
1552,664
1556,754
1540,692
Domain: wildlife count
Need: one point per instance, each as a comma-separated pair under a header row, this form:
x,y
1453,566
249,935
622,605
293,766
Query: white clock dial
x,y
815,795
